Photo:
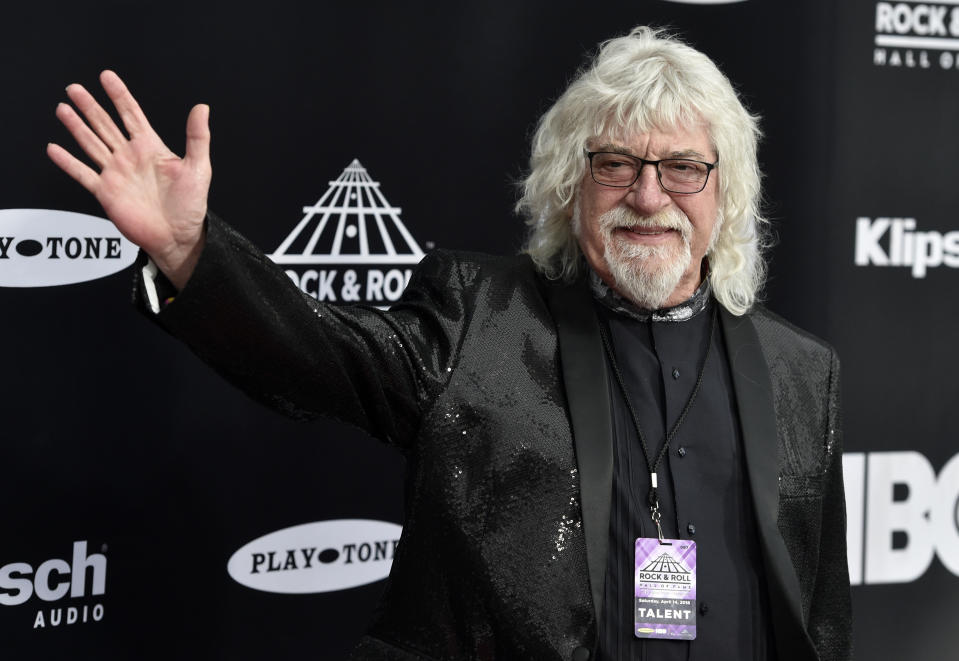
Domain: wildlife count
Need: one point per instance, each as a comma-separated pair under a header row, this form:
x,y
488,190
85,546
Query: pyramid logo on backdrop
x,y
351,246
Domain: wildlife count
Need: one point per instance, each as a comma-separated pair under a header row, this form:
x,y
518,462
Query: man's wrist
x,y
180,267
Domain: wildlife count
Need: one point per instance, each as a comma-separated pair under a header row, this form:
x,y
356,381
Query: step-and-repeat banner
x,y
152,511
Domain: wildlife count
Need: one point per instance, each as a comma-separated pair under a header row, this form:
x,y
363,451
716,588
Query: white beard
x,y
646,275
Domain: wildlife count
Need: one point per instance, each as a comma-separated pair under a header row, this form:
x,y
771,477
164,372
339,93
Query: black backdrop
x,y
115,436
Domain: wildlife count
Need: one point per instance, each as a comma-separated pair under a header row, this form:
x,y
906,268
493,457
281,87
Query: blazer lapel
x,y
757,417
583,365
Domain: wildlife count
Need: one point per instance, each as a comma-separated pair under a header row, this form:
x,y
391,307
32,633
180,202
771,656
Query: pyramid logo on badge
x,y
664,563
352,223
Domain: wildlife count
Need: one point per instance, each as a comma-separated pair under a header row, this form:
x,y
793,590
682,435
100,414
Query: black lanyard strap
x,y
654,465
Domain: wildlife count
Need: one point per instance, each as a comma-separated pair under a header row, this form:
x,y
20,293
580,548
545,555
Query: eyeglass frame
x,y
643,162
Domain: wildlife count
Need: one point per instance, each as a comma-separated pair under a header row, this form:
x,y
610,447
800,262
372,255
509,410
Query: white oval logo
x,y
322,556
44,248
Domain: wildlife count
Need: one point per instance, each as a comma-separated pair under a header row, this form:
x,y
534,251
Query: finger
x,y
88,140
127,107
198,135
96,116
79,171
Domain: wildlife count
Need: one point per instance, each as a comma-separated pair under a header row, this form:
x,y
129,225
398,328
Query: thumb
x,y
198,135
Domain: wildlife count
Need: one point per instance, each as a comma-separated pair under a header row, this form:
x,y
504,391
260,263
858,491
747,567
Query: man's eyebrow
x,y
616,149
688,153
679,153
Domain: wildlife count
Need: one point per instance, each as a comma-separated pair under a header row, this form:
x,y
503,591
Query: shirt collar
x,y
682,312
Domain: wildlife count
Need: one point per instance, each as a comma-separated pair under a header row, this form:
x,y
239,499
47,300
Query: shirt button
x,y
675,373
703,608
580,654
681,451
691,529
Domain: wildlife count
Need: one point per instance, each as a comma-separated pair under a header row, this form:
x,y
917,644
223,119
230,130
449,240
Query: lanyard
x,y
654,465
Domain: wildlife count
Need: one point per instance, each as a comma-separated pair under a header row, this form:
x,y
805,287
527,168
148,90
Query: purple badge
x,y
665,589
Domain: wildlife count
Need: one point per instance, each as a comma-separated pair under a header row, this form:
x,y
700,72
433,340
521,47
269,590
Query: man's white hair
x,y
643,81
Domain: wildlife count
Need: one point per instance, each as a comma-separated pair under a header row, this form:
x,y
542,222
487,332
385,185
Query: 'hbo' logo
x,y
900,516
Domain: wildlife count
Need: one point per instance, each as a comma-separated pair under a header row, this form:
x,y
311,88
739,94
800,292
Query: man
x,y
613,452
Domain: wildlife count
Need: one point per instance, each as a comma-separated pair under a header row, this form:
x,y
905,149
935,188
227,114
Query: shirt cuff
x,y
149,273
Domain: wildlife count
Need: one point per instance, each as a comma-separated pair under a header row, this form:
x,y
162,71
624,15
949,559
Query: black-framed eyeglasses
x,y
676,175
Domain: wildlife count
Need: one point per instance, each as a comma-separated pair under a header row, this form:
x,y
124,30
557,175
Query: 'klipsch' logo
x,y
898,242
78,581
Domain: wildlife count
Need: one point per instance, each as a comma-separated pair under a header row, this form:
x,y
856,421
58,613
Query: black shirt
x,y
703,490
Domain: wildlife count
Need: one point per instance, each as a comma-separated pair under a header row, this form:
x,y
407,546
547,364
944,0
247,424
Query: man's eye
x,y
684,167
615,164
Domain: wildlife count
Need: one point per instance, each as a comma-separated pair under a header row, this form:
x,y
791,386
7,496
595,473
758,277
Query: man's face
x,y
644,242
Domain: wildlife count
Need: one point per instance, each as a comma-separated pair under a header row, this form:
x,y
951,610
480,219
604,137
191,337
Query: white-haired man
x,y
613,451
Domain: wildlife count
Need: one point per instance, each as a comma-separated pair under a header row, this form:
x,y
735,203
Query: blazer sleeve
x,y
376,369
830,617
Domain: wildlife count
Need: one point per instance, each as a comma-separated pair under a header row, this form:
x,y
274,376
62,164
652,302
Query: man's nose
x,y
646,196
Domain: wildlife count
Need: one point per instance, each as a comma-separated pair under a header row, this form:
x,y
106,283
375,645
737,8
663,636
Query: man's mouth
x,y
648,231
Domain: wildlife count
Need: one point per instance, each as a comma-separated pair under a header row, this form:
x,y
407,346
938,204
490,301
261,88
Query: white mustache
x,y
667,219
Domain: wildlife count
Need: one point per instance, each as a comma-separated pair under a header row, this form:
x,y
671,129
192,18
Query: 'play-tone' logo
x,y
45,248
322,556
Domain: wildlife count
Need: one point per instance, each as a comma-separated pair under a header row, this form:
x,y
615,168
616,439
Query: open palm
x,y
155,198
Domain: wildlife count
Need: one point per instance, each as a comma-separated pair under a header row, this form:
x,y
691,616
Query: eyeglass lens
x,y
676,174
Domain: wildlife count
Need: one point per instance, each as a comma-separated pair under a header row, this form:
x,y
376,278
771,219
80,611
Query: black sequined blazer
x,y
492,382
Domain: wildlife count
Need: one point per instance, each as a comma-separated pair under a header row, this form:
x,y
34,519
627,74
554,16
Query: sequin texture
x,y
463,376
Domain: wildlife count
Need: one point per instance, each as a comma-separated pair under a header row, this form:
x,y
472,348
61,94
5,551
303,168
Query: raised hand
x,y
155,198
